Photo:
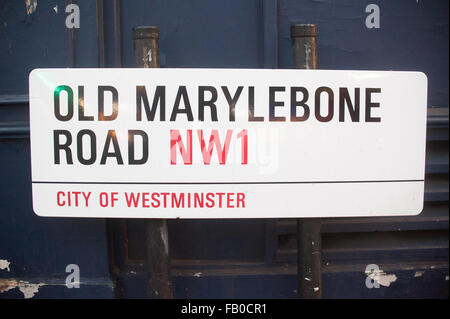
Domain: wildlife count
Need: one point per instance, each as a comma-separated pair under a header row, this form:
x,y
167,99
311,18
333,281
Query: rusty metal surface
x,y
309,238
304,46
157,261
145,41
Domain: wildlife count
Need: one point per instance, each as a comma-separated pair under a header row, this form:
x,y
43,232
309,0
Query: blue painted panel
x,y
413,36
38,247
199,33
51,289
405,284
431,283
41,40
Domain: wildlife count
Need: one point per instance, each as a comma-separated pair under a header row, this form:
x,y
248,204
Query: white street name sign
x,y
227,143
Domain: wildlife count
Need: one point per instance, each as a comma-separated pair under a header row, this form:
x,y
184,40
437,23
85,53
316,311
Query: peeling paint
x,y
197,274
381,277
165,239
55,8
28,289
446,278
31,6
7,284
419,273
386,280
146,57
4,264
307,62
316,289
149,55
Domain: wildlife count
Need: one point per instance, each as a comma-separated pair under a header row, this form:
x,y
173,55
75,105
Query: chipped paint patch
x,y
197,274
307,60
419,273
30,6
381,277
385,279
149,55
165,238
4,264
446,278
28,289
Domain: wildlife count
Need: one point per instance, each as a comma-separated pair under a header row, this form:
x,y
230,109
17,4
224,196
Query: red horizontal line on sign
x,y
224,183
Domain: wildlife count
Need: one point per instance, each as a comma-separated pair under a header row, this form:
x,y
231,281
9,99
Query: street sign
x,y
227,143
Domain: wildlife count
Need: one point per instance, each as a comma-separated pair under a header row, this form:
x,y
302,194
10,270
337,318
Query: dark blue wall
x,y
413,36
221,258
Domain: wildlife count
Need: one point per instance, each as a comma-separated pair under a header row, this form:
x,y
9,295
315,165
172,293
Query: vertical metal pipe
x,y
309,239
145,39
100,34
309,258
304,46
